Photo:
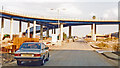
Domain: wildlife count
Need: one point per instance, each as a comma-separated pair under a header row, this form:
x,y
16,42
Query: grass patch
x,y
102,45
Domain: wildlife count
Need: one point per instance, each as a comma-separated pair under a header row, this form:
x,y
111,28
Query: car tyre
x,y
19,62
47,59
43,61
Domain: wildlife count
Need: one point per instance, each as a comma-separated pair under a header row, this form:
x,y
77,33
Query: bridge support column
x,y
119,40
28,32
34,29
94,31
47,33
54,31
20,29
69,31
2,26
110,35
11,28
41,32
61,32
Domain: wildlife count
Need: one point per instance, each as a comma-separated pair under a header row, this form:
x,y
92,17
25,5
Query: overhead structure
x,y
49,22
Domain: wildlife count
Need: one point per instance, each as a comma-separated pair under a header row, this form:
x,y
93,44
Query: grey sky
x,y
75,9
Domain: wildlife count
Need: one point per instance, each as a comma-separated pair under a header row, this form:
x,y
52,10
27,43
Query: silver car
x,y
32,51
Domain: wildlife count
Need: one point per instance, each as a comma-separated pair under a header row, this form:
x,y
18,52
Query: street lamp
x,y
94,17
58,12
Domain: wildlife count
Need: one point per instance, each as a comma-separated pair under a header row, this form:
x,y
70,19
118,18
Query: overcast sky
x,y
74,9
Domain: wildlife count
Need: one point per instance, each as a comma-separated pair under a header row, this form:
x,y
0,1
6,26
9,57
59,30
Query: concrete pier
x,y
61,32
20,28
28,27
11,28
47,32
41,32
70,31
2,26
94,31
34,29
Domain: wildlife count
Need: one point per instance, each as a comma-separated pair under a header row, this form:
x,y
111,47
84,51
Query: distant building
x,y
98,36
113,35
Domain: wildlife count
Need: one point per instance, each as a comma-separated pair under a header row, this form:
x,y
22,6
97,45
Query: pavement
x,y
112,56
0,59
78,53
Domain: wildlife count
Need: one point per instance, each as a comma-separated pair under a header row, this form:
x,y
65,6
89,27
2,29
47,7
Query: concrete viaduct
x,y
49,23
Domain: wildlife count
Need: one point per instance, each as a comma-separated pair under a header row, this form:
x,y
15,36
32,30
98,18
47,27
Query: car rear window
x,y
30,46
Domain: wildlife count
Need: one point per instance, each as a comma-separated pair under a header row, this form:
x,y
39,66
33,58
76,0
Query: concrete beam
x,y
41,32
2,26
61,32
28,27
20,28
34,29
70,31
11,28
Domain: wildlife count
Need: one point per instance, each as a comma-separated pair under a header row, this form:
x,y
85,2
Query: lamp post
x,y
94,29
58,12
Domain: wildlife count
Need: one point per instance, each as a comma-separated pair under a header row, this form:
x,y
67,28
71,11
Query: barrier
x,y
17,42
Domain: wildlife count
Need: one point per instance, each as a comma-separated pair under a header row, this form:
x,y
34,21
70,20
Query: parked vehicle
x,y
32,51
75,37
48,43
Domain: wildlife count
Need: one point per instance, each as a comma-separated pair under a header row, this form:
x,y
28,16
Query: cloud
x,y
73,10
92,14
115,11
105,15
70,10
111,13
38,1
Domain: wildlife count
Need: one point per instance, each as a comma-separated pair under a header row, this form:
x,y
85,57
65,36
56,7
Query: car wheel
x,y
19,62
43,61
47,59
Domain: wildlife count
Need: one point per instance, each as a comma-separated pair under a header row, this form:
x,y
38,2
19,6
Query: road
x,y
77,53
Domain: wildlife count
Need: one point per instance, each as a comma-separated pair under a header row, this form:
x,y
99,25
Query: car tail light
x,y
36,55
48,43
17,54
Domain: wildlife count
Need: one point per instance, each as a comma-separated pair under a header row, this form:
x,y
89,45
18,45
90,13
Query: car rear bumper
x,y
28,59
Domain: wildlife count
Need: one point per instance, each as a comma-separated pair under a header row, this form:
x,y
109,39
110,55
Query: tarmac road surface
x,y
77,53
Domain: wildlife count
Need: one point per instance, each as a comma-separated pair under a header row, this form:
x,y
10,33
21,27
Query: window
x,y
30,46
43,45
